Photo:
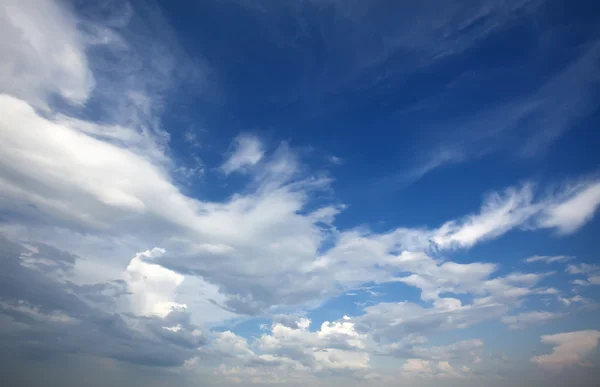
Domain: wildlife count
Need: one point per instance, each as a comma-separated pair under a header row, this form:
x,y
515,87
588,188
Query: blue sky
x,y
225,192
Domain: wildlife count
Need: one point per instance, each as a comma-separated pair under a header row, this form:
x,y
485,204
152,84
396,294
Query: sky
x,y
299,192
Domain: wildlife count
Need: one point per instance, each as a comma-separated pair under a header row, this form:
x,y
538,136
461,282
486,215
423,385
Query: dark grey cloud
x,y
85,325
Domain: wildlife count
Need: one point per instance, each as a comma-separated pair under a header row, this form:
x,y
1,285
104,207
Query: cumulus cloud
x,y
152,286
67,318
570,349
336,345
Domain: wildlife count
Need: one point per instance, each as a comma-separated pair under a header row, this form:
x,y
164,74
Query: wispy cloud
x,y
527,319
539,119
247,152
548,258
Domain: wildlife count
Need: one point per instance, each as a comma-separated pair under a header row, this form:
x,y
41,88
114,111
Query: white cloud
x,y
568,215
42,53
98,185
445,366
335,160
336,359
525,319
175,328
467,351
417,366
548,258
152,286
229,343
566,211
499,214
577,299
335,346
570,349
247,152
592,272
594,280
582,268
580,282
92,182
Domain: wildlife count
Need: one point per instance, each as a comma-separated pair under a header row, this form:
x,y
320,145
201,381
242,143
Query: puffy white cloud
x,y
570,349
335,346
152,286
229,343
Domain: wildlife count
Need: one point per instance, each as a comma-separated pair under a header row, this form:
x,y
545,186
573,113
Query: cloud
x,y
526,319
65,320
152,287
335,160
439,159
417,366
247,152
548,258
81,171
518,207
495,129
592,272
230,344
23,307
290,353
500,213
570,214
114,180
582,268
466,352
570,349
34,66
86,198
577,299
